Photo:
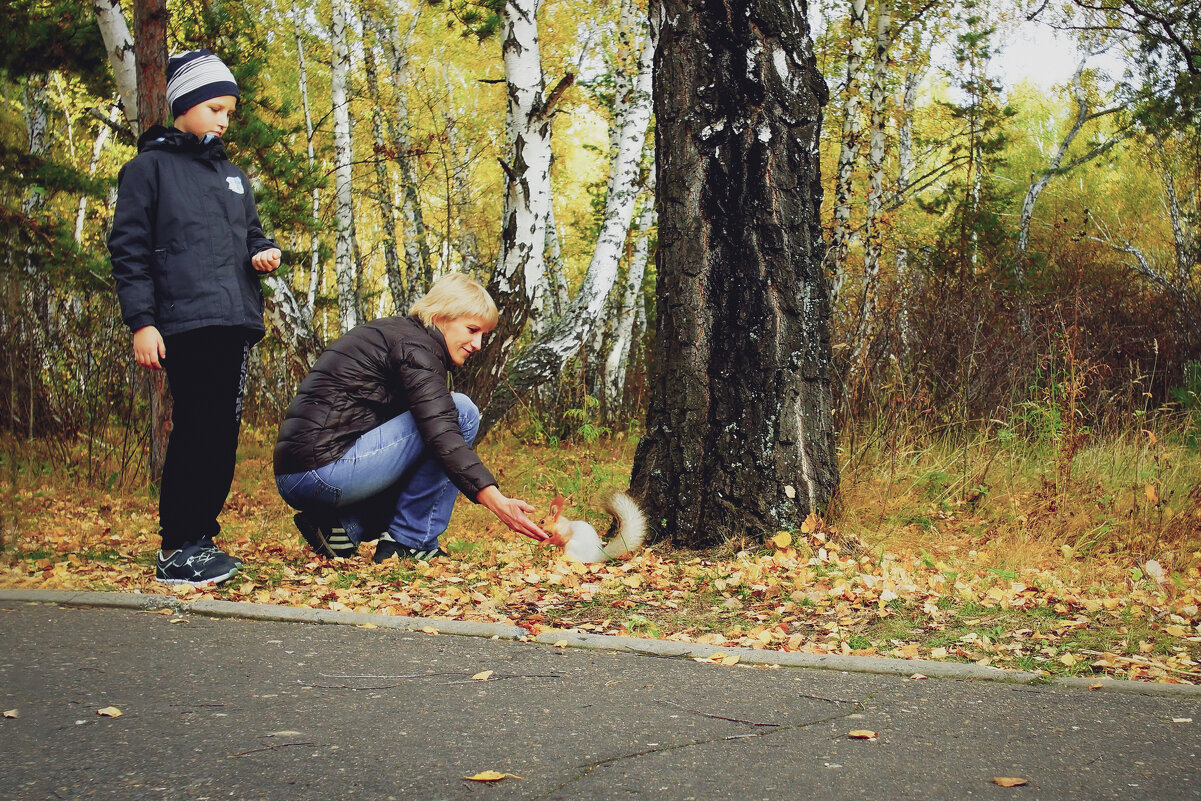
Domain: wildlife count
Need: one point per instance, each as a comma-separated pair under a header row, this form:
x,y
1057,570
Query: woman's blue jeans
x,y
387,482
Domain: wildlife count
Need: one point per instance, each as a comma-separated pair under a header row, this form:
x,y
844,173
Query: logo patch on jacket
x,y
235,184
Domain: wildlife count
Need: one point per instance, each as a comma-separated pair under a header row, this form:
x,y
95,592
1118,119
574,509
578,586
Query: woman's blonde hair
x,y
452,296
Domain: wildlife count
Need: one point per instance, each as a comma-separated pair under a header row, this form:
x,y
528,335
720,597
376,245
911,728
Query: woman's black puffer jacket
x,y
371,374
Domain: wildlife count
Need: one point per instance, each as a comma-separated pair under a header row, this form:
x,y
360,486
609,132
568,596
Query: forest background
x,y
1015,313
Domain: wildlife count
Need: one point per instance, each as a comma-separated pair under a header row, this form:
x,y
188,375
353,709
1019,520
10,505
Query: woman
x,y
375,445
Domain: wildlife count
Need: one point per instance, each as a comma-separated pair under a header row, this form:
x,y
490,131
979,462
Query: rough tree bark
x,y
739,434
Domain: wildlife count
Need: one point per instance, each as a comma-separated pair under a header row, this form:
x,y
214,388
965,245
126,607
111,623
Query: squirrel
x,y
580,540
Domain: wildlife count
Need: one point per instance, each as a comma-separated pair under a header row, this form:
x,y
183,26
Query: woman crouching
x,y
376,446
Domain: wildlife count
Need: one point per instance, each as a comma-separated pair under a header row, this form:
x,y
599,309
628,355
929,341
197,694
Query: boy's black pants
x,y
206,370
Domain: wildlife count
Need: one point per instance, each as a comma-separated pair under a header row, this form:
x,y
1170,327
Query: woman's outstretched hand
x,y
513,512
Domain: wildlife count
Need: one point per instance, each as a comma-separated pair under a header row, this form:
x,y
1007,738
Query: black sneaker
x,y
195,564
386,549
325,540
208,544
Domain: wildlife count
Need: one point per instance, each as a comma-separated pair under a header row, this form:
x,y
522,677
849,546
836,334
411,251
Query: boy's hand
x,y
149,348
266,261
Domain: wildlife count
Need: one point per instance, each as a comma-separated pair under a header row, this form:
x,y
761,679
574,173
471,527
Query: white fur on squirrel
x,y
585,543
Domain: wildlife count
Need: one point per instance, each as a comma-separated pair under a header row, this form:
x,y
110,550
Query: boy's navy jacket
x,y
183,233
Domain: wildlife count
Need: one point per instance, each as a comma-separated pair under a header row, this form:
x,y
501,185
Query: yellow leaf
x,y
938,653
429,629
633,581
1006,781
109,712
1152,494
483,675
810,524
369,626
11,713
782,540
1096,686
863,734
1068,659
732,659
560,644
1176,631
490,776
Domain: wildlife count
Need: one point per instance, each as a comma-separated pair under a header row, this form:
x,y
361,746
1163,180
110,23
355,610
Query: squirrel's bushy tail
x,y
631,530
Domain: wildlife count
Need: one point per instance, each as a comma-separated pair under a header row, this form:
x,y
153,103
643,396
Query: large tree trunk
x,y
739,435
526,166
544,358
345,251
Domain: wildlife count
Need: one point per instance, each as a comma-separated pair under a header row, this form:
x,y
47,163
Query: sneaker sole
x,y
202,583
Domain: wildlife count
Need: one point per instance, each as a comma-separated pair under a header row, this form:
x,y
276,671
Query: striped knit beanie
x,y
195,77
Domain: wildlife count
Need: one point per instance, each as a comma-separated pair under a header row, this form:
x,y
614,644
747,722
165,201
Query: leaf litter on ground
x,y
811,590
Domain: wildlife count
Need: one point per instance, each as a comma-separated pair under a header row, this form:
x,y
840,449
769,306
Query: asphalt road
x,y
242,709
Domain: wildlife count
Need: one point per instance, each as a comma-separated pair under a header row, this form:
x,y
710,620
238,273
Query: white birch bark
x,y
380,191
464,242
344,252
852,134
617,361
528,132
314,237
547,354
97,148
875,194
118,43
904,176
418,266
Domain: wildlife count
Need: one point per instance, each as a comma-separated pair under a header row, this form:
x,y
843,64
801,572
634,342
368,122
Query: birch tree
x,y
848,155
1084,113
739,430
545,356
526,165
315,223
345,250
418,266
121,57
617,360
875,195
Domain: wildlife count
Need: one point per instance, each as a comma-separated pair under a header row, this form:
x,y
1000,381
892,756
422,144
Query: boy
x,y
186,244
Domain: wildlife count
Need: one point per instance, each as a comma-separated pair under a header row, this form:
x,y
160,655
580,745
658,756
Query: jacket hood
x,y
158,137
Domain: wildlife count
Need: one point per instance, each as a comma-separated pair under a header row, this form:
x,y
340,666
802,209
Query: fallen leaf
x,y
483,675
863,734
782,540
369,626
490,776
560,644
429,629
11,713
917,677
938,653
1005,781
731,659
1096,686
1177,631
1174,720
1152,494
109,712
